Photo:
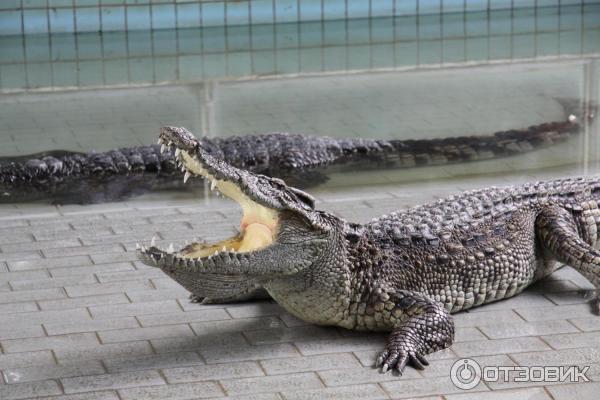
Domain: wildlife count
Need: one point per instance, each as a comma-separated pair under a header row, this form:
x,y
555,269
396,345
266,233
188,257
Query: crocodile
x,y
405,273
71,177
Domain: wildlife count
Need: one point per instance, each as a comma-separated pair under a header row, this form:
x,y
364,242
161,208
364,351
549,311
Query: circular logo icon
x,y
465,373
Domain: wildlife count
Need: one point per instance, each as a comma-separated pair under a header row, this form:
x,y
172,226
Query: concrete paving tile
x,y
29,390
586,324
22,265
510,394
184,317
556,312
575,391
92,269
442,367
572,340
409,388
18,332
79,302
111,381
100,352
236,325
466,319
102,395
25,359
22,276
42,245
173,392
575,356
499,346
155,332
536,328
280,366
246,353
29,374
133,309
40,317
17,307
92,325
212,372
276,383
74,340
26,255
189,343
281,335
31,284
29,295
347,392
342,345
257,309
158,294
159,361
107,288
83,250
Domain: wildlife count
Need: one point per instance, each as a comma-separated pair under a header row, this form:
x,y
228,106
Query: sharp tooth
x,y
163,148
143,249
170,249
213,185
224,249
177,152
186,176
153,241
159,141
137,246
216,252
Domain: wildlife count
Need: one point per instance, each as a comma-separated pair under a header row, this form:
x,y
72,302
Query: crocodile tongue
x,y
256,236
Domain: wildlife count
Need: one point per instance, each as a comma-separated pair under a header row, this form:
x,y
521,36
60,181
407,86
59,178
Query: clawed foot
x,y
196,299
398,358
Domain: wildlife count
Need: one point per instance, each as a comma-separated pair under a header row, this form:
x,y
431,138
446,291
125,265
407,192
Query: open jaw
x,y
258,226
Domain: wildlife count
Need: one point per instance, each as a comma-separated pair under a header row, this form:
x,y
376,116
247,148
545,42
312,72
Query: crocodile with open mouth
x,y
405,272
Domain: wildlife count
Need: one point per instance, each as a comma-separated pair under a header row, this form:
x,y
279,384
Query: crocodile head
x,y
281,233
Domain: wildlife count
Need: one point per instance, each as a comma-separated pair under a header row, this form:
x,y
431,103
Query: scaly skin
x,y
405,272
68,177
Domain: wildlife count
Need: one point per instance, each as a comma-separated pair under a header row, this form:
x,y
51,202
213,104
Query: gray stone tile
x,y
279,366
158,294
40,317
22,276
155,332
466,334
83,250
236,325
576,356
510,394
87,301
184,317
28,295
345,377
275,383
113,257
536,328
246,353
29,390
409,388
17,332
254,310
103,395
348,392
189,343
147,273
92,325
17,308
43,245
22,256
25,359
75,340
571,340
342,345
111,381
585,391
281,335
159,361
466,319
499,346
106,288
586,324
22,265
92,269
28,374
442,367
31,284
212,372
556,312
134,309
100,352
173,392
367,358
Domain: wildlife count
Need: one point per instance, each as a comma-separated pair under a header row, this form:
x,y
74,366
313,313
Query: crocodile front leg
x,y
423,326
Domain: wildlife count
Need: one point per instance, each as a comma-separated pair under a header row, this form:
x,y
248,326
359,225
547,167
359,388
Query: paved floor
x,y
81,318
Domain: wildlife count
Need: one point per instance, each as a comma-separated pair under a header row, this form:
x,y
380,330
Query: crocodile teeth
x,y
137,246
159,141
213,185
163,148
186,176
177,152
153,241
170,249
223,249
